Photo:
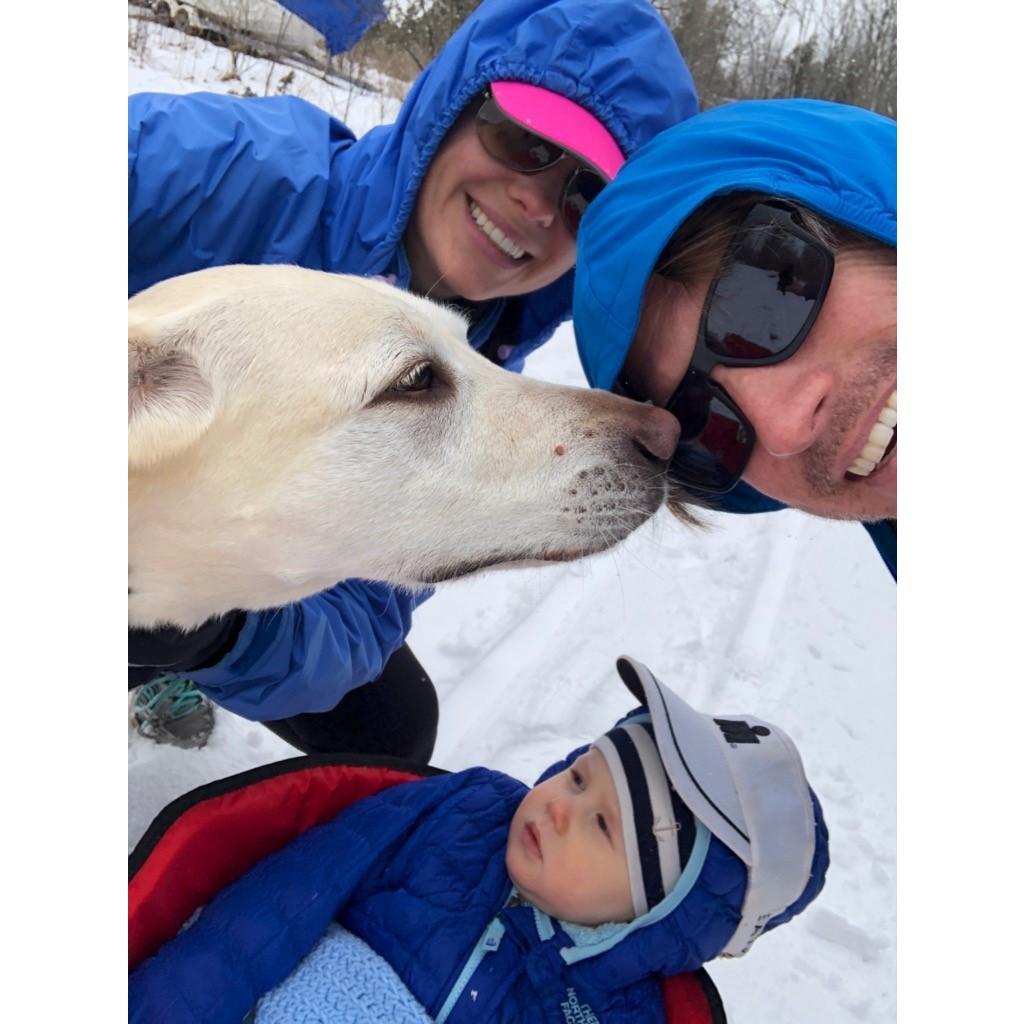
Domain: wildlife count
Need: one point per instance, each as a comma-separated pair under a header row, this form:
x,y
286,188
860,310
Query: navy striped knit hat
x,y
659,844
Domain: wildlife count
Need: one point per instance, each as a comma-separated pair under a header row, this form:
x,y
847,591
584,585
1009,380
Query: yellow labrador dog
x,y
289,429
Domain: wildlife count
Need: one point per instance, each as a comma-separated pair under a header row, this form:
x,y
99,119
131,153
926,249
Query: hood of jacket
x,y
618,60
837,160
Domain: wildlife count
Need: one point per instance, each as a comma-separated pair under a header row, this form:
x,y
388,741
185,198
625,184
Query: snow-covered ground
x,y
781,615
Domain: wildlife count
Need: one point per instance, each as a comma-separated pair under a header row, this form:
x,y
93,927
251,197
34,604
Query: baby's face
x,y
565,848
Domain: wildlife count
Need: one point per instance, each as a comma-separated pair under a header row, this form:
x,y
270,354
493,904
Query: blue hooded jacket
x,y
837,160
418,873
214,180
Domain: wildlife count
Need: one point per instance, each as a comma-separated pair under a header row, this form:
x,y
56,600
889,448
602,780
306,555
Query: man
x,y
741,272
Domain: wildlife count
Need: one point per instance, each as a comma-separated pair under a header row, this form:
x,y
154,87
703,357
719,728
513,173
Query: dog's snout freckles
x,y
597,490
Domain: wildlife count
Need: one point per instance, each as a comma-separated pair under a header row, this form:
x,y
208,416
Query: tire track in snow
x,y
545,643
760,606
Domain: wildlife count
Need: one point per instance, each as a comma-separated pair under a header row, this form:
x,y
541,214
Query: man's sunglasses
x,y
757,312
518,149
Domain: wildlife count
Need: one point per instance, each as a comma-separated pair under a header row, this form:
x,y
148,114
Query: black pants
x,y
395,715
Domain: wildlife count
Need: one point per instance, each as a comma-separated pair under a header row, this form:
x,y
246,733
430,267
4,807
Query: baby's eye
x,y
602,824
576,777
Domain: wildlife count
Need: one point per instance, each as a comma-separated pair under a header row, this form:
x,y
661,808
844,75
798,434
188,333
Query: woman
x,y
472,196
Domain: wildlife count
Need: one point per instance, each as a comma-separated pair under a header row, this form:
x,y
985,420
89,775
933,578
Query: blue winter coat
x,y
215,180
418,873
835,159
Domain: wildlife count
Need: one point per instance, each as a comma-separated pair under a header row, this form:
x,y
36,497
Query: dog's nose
x,y
656,433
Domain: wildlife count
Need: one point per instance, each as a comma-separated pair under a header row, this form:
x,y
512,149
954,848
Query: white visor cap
x,y
744,780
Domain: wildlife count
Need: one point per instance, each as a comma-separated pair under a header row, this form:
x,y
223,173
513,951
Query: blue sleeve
x,y
306,656
219,179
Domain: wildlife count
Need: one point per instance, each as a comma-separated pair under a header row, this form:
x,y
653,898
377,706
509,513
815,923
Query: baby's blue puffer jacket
x,y
418,873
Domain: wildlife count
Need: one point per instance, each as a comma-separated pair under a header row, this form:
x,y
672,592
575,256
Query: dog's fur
x,y
275,447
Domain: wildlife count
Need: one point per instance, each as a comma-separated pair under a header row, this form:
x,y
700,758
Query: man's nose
x,y
558,812
787,403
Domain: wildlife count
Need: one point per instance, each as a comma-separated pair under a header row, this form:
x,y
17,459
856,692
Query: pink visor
x,y
560,121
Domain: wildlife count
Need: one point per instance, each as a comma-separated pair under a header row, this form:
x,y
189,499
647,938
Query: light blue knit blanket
x,y
341,980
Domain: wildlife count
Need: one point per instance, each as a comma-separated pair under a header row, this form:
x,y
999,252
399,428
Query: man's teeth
x,y
878,440
496,235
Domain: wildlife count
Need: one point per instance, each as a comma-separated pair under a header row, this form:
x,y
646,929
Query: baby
x,y
674,838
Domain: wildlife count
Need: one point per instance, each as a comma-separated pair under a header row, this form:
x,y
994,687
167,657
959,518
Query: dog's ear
x,y
170,402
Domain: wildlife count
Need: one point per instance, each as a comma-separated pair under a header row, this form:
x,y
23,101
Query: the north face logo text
x,y
741,732
576,1012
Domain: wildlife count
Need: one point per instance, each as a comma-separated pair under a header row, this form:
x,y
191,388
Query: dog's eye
x,y
419,378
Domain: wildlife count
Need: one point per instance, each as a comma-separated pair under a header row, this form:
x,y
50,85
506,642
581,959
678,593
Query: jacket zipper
x,y
487,943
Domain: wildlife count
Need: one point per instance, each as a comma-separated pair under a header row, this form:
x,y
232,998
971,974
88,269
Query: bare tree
x,y
703,29
138,37
421,27
842,50
238,18
861,54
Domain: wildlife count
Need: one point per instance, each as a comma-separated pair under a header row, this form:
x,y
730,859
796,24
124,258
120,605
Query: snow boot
x,y
170,709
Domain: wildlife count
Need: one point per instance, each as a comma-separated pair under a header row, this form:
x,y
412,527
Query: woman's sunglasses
x,y
518,149
757,312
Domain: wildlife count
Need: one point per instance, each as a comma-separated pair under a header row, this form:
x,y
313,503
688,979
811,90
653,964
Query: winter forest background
x,y
842,50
